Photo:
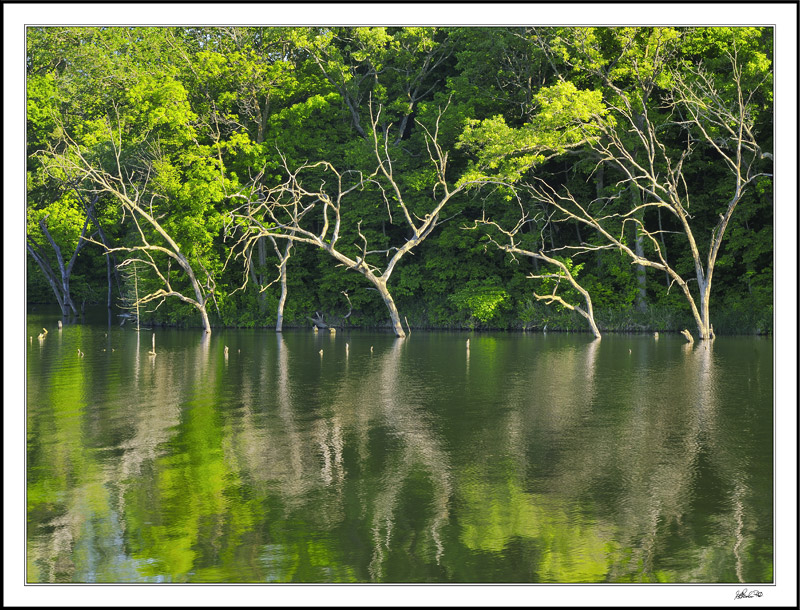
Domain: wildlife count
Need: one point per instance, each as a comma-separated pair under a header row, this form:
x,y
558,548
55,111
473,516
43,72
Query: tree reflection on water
x,y
554,460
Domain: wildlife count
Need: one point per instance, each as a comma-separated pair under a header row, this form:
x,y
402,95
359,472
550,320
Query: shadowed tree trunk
x,y
58,282
638,244
111,260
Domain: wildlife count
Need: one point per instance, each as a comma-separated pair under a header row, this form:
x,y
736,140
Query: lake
x,y
358,457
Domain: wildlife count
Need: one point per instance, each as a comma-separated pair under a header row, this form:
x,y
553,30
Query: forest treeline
x,y
404,177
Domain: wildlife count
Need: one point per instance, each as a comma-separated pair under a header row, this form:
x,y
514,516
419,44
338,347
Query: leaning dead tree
x,y
510,243
154,247
147,253
722,123
309,207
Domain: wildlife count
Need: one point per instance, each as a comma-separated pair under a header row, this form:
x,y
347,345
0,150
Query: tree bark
x,y
284,288
259,278
262,123
589,315
60,285
704,320
51,278
663,246
204,319
63,281
201,299
397,327
262,258
641,276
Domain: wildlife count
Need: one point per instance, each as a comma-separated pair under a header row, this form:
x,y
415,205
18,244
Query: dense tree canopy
x,y
626,166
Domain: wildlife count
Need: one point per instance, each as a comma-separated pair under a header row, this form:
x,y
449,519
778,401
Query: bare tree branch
x,y
128,186
317,192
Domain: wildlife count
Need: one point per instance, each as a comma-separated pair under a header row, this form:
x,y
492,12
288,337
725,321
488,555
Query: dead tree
x,y
283,257
144,253
258,279
512,247
319,318
722,123
296,209
156,248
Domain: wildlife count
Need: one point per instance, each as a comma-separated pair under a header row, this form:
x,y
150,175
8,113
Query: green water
x,y
525,458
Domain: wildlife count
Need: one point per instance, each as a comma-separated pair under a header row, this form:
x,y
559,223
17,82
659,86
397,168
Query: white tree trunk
x,y
397,327
204,318
281,301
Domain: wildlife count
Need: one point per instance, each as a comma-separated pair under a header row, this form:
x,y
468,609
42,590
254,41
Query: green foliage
x,y
564,119
200,119
611,281
482,302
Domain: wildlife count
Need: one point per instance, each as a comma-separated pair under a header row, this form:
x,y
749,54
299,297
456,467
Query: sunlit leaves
x,y
63,219
156,104
479,300
198,119
564,119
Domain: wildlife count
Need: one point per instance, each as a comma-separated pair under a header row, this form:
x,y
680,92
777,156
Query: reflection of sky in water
x,y
554,459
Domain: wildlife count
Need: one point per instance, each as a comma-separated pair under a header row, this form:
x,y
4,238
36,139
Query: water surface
x,y
358,457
